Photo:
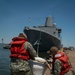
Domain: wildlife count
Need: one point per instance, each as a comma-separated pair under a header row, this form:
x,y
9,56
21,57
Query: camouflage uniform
x,y
57,68
22,67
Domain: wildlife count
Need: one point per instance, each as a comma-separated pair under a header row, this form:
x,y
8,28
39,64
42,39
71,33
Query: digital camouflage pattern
x,y
57,68
20,67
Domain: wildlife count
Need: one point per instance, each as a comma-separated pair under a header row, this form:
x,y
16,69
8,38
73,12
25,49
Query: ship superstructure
x,y
44,37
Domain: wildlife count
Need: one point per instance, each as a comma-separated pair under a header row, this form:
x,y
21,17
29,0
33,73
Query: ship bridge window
x,y
59,30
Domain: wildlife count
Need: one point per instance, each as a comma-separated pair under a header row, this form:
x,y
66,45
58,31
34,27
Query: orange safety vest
x,y
17,49
65,64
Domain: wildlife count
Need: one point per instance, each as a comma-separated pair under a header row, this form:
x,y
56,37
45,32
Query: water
x,y
4,62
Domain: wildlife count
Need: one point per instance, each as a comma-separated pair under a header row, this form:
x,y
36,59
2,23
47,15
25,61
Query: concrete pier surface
x,y
71,55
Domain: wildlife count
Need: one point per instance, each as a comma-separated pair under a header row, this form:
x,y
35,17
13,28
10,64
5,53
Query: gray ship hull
x,y
41,40
44,37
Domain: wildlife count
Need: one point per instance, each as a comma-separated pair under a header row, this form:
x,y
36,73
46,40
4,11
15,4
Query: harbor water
x,y
5,61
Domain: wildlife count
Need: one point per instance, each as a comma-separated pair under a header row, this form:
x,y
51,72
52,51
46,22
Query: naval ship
x,y
44,37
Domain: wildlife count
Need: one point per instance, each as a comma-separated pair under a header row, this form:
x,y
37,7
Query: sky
x,y
15,14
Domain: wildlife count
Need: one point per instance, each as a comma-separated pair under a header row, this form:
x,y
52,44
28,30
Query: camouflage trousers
x,y
20,67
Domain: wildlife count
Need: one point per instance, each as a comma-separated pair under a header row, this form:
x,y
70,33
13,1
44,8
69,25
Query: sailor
x,y
21,51
60,64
